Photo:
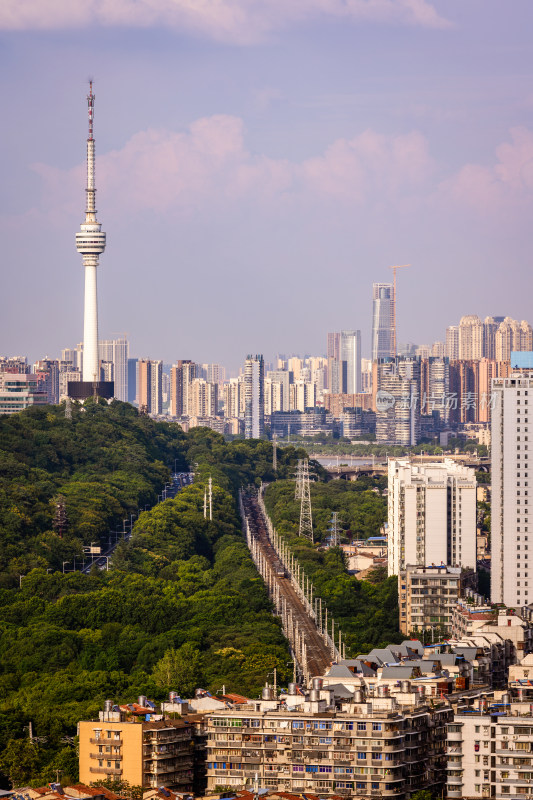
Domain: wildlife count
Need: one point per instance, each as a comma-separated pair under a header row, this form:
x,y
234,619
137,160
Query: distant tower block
x,y
90,242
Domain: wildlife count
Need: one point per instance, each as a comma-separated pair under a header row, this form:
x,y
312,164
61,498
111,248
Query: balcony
x,y
107,742
105,770
106,756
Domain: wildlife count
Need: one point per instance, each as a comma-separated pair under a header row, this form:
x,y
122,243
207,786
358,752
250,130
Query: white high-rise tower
x,y
90,242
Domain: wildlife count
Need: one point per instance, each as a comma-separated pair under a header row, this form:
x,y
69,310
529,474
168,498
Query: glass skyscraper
x,y
382,310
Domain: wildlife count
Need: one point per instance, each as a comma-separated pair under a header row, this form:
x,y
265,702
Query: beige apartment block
x,y
142,753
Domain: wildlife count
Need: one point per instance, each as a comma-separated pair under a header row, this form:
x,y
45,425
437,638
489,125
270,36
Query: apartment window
x,y
361,756
361,726
100,763
376,726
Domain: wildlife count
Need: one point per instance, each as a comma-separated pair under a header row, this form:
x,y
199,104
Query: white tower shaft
x,y
90,242
90,325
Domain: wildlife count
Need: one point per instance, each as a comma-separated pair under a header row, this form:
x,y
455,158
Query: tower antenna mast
x,y
398,266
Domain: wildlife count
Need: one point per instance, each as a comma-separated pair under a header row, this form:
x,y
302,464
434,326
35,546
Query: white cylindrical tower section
x,y
90,325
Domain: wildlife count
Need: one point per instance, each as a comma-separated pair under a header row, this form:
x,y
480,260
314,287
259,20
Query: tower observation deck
x,y
90,242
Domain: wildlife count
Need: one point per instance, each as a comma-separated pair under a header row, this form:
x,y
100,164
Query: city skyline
x,y
223,189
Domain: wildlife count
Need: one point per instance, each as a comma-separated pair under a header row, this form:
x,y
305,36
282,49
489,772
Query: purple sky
x,y
259,164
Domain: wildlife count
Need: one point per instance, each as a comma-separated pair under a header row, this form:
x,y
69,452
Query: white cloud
x,y
506,183
236,21
165,171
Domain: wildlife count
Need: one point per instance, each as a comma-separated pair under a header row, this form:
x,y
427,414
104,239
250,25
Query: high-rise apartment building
x,y
471,338
182,375
452,343
435,387
351,354
132,380
334,345
302,396
432,515
512,412
150,386
116,351
283,380
382,320
512,335
47,369
234,398
396,388
254,412
203,398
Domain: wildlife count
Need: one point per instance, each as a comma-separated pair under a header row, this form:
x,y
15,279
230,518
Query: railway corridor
x,y
304,618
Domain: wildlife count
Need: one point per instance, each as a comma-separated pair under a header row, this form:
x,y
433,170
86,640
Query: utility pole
x,y
205,503
393,326
210,499
274,452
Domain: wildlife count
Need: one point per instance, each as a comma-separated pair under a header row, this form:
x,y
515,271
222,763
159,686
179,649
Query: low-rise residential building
x,y
371,746
428,595
490,751
508,623
131,743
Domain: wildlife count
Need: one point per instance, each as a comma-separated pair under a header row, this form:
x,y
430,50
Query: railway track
x,y
310,648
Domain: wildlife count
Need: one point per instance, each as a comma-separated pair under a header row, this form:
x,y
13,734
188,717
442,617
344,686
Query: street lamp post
x,y
64,562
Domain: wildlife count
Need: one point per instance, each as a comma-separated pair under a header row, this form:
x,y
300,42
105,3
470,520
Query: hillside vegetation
x,y
182,606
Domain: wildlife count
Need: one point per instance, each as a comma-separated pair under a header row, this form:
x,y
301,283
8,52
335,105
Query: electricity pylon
x,y
335,530
306,515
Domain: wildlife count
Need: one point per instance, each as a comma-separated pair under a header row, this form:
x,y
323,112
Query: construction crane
x,y
393,326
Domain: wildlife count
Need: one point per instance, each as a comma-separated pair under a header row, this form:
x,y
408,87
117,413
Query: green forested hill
x,y
106,462
182,606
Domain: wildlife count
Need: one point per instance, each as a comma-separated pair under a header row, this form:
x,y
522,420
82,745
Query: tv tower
x,y
90,242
